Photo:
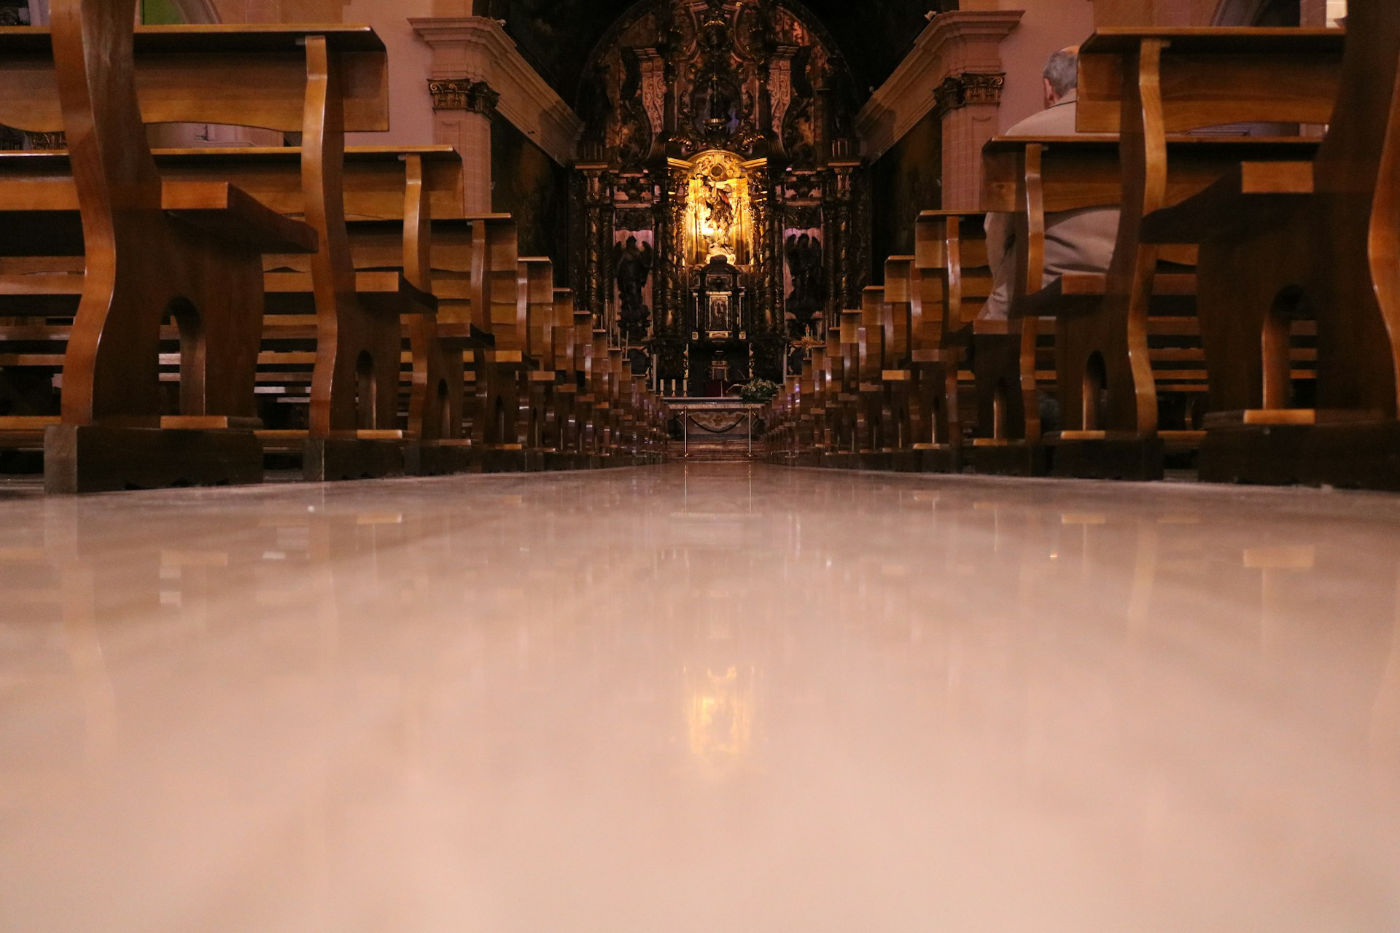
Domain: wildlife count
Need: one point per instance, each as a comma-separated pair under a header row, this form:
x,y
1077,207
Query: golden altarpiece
x,y
720,219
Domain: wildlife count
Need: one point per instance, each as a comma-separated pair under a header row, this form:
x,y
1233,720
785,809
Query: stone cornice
x,y
477,48
953,44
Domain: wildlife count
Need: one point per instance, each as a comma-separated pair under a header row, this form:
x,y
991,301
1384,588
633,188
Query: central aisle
x,y
715,697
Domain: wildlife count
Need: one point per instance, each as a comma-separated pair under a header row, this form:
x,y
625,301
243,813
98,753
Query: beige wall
x,y
1046,26
410,60
410,107
1154,12
279,11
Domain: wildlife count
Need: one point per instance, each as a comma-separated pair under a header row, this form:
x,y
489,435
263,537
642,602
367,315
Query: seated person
x,y
1075,241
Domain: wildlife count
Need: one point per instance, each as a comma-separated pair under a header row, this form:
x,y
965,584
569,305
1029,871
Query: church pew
x,y
599,374
781,415
948,283
477,280
391,195
1306,246
550,335
806,433
1150,86
537,296
901,405
883,390
589,428
871,445
815,433
571,326
972,366
152,247
841,397
315,81
1111,364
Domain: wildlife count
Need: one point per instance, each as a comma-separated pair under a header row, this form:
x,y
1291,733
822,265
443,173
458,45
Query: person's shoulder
x,y
1053,121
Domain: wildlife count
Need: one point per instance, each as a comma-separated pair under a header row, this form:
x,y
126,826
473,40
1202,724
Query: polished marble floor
x,y
710,698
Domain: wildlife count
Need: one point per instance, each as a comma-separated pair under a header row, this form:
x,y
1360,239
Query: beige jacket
x,y
1075,241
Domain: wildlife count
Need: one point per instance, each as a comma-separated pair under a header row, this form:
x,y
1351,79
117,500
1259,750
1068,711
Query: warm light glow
x,y
717,210
720,717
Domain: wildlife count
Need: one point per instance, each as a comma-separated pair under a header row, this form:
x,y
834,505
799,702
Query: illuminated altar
x,y
718,217
720,222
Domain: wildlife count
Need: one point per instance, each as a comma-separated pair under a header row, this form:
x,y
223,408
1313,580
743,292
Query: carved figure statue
x,y
633,266
808,296
721,208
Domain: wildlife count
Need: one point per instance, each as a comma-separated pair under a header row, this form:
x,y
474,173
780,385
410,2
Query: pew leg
x,y
1362,455
328,459
99,458
1121,458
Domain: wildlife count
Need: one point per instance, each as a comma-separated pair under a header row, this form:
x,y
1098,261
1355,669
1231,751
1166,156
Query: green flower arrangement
x,y
759,391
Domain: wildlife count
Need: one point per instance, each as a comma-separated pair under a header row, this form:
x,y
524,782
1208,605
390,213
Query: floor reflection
x,y
698,695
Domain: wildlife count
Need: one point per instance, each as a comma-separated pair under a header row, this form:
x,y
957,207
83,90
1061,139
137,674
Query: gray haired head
x,y
1062,71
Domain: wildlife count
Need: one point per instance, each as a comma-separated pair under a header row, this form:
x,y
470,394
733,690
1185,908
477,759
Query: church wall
x,y
410,62
905,181
1168,13
1046,26
530,187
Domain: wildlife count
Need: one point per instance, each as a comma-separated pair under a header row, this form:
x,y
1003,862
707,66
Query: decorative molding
x,y
966,42
653,68
463,94
958,91
477,49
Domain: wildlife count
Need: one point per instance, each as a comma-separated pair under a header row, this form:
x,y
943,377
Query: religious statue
x,y
719,216
807,300
632,265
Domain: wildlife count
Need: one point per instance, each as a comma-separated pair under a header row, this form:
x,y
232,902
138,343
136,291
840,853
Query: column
x,y
968,104
462,110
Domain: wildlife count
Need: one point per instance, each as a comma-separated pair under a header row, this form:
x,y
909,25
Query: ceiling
x,y
558,35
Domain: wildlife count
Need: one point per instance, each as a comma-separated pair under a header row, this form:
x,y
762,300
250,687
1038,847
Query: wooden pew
x,y
152,247
1120,337
994,427
568,391
1151,86
316,81
391,195
589,430
900,406
949,283
805,439
477,277
551,336
1306,248
841,393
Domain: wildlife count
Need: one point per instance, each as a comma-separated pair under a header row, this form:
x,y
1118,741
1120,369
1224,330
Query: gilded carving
x,y
690,104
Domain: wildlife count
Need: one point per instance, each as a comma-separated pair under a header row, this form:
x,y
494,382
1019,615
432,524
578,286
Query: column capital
x,y
960,90
463,94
